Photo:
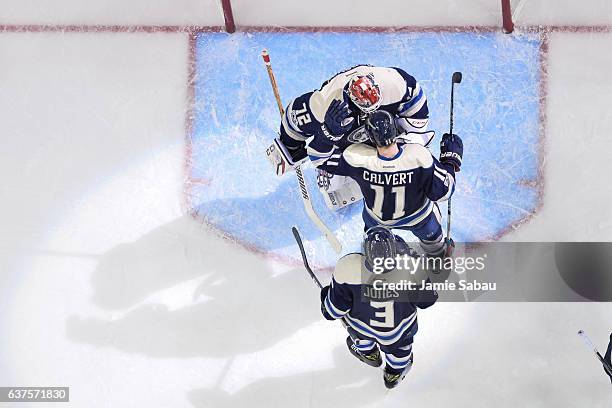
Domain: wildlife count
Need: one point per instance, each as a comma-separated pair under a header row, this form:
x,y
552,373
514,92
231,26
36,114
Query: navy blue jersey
x,y
608,359
401,94
396,190
384,320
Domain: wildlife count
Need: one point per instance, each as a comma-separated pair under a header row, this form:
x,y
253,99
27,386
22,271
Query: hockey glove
x,y
296,148
338,120
451,150
426,298
297,153
324,292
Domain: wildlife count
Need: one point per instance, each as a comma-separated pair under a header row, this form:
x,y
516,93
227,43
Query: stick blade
x,y
296,235
300,243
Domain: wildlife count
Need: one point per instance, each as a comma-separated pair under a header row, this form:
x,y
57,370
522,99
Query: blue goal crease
x,y
496,113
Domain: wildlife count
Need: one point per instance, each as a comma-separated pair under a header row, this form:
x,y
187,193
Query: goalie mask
x,y
378,246
365,93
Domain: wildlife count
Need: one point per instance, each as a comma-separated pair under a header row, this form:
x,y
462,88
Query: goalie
x,y
334,117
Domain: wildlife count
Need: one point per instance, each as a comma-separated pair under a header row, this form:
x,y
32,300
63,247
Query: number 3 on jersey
x,y
387,314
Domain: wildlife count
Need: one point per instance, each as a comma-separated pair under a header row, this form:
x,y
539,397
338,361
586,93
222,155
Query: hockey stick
x,y
298,240
331,238
457,77
591,346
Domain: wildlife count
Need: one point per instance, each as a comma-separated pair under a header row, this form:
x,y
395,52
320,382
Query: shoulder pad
x,y
410,80
360,155
419,153
319,105
348,269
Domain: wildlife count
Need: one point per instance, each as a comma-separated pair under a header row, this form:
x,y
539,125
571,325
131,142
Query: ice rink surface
x,y
110,286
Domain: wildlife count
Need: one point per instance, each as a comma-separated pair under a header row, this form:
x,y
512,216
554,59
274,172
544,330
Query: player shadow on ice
x,y
358,384
265,221
181,291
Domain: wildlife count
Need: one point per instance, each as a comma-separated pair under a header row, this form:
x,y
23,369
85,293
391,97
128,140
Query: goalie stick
x,y
310,211
590,345
298,240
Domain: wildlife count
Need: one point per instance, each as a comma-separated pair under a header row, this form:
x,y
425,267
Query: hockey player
x,y
379,323
335,115
401,182
608,359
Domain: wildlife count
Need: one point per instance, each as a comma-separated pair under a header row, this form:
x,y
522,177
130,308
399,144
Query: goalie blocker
x,y
280,158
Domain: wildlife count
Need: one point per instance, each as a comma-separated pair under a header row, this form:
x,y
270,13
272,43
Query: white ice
x,y
102,271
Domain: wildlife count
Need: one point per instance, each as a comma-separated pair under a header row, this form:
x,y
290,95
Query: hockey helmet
x,y
378,246
380,128
364,92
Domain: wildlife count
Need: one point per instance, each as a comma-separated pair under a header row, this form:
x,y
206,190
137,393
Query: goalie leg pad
x,y
338,191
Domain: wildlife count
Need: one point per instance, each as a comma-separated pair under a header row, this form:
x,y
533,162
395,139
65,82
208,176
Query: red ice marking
x,y
567,29
200,181
189,119
367,29
35,28
528,183
41,28
287,260
538,183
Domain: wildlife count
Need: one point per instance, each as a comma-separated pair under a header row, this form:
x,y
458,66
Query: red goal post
x,y
228,16
508,7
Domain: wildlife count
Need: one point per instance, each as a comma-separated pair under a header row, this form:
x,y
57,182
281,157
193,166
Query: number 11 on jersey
x,y
379,198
